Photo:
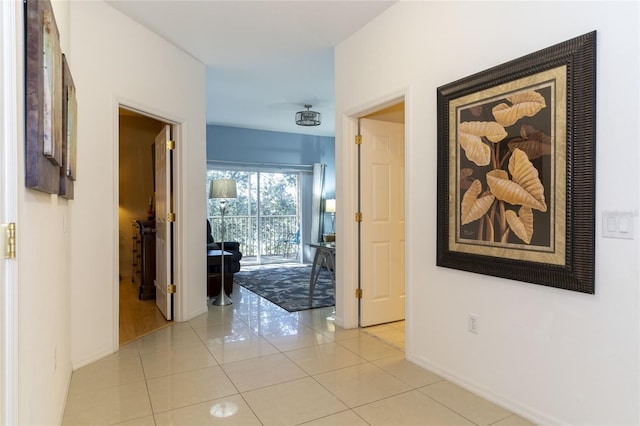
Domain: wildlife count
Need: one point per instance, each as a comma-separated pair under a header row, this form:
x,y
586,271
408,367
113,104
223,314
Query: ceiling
x,y
265,59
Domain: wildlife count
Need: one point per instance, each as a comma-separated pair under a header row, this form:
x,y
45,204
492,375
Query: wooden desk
x,y
325,256
214,280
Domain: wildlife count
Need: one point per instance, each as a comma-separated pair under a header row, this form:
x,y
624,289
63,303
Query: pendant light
x,y
308,118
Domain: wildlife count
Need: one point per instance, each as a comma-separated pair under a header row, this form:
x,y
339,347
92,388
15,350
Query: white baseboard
x,y
93,357
515,407
201,311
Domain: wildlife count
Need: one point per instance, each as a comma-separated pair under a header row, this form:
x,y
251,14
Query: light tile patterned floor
x,y
252,363
392,333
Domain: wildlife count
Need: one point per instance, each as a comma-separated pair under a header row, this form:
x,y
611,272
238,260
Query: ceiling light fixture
x,y
308,118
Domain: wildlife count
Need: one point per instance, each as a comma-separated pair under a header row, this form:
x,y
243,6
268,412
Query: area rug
x,y
287,286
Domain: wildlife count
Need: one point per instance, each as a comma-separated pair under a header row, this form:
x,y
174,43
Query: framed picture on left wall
x,y
43,98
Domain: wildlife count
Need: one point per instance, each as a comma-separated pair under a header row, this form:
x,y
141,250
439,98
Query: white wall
x,y
67,250
113,59
554,356
44,278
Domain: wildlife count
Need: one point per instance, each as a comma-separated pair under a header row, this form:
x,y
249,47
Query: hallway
x,y
252,363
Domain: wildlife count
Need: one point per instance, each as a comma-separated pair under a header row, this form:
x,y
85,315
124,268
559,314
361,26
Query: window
x,y
266,212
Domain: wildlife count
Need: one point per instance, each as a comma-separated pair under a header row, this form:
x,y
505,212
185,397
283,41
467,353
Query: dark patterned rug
x,y
287,286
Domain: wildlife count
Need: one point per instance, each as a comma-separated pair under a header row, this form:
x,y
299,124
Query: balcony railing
x,y
273,230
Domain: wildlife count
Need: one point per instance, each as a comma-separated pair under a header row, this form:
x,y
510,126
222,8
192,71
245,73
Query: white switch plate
x,y
618,224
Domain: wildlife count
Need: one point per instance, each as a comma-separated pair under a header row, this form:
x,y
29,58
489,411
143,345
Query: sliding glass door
x,y
264,217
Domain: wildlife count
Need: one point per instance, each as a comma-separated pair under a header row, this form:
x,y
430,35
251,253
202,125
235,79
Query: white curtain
x,y
317,206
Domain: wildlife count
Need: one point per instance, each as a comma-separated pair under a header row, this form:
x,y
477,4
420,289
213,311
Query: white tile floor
x,y
392,333
252,363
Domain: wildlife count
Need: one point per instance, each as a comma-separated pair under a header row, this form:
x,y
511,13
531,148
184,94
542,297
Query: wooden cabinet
x,y
135,253
144,258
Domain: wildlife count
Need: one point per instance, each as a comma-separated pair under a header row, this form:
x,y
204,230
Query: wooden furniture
x,y
144,258
214,280
325,256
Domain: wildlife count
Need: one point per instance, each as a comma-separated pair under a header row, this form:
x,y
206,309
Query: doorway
x,y
382,227
138,313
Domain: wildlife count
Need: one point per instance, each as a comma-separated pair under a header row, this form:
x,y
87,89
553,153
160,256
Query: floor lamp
x,y
222,189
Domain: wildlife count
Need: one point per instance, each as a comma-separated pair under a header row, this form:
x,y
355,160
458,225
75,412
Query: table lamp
x,y
330,207
222,189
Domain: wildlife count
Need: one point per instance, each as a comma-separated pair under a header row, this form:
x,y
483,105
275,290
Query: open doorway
x,y
138,313
382,228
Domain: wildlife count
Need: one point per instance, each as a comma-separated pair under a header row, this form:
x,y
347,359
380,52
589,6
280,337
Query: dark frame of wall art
x,y
69,133
516,169
43,98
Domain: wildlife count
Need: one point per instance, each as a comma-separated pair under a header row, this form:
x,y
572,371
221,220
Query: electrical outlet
x,y
473,323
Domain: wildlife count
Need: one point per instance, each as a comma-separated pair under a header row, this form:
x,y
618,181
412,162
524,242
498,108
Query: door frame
x,y
180,297
10,138
347,278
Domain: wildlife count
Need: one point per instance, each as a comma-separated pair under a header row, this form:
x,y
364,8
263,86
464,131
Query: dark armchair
x,y
231,265
214,267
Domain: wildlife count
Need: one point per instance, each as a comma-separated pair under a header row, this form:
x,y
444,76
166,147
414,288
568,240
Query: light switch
x,y
618,224
623,225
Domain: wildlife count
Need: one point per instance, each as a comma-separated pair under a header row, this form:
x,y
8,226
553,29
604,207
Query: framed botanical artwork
x,y
43,97
69,133
516,169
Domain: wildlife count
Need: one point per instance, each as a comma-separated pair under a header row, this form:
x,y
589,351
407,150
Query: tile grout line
x,y
146,385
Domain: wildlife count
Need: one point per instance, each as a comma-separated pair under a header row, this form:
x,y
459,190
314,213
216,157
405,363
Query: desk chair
x,y
291,241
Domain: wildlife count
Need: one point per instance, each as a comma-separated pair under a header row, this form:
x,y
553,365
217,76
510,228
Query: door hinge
x,y
358,139
171,288
358,293
171,145
171,217
358,216
10,240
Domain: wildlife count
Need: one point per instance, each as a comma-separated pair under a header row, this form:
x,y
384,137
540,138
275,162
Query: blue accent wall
x,y
236,144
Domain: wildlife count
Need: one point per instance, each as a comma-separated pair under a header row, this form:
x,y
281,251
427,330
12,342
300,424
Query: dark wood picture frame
x,y
69,133
516,169
43,98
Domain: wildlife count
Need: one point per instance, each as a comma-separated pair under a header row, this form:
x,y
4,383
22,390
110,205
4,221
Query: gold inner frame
x,y
555,253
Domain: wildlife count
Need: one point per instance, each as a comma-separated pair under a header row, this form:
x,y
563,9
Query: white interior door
x,y
383,220
164,243
9,364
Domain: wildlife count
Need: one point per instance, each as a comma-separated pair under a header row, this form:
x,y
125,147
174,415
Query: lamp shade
x,y
330,205
223,188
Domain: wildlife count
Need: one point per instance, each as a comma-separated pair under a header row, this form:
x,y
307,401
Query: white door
x,y
8,213
382,241
164,243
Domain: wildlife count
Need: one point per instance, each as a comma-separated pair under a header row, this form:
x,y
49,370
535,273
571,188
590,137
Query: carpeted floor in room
x,y
287,285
